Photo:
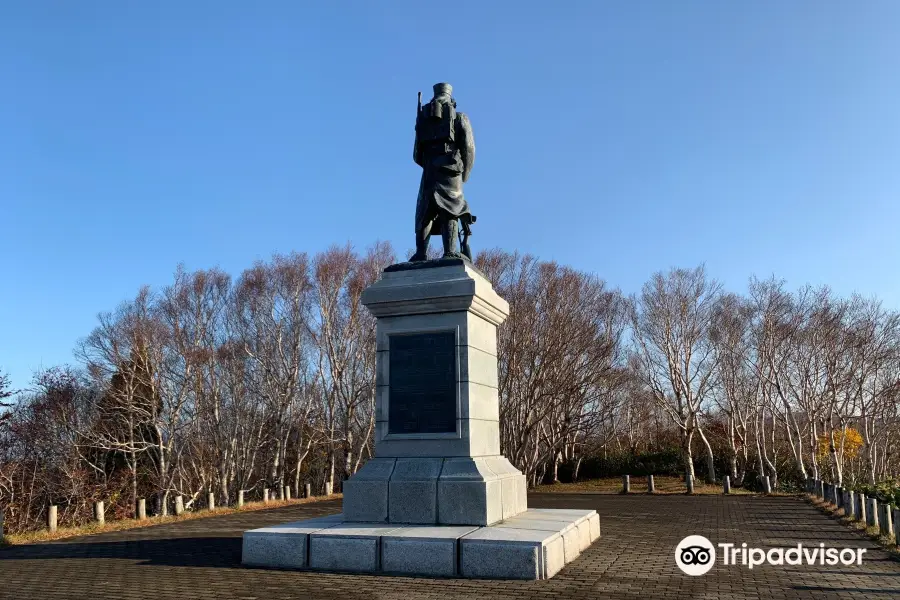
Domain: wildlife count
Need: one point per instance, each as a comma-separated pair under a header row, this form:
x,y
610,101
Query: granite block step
x,y
535,544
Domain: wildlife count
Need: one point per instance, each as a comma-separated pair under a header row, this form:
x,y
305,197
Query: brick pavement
x,y
633,558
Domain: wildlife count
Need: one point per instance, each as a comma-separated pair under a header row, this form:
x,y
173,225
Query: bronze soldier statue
x,y
445,149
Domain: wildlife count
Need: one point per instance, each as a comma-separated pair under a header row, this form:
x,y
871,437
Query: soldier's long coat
x,y
440,190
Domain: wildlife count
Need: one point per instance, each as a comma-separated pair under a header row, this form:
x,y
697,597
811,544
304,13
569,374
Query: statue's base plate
x,y
535,544
433,264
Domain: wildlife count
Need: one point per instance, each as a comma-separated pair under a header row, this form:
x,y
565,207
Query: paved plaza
x,y
634,558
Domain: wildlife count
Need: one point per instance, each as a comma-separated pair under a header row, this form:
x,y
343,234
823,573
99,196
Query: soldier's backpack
x,y
435,123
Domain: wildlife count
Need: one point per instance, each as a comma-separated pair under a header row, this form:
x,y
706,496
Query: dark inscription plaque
x,y
422,383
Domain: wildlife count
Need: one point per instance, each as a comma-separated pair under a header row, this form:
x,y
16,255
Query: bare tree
x,y
671,320
117,357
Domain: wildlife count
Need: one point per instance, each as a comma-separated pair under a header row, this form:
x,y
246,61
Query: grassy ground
x,y
613,485
45,535
874,533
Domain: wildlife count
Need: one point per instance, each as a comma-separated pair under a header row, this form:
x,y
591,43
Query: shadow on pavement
x,y
176,552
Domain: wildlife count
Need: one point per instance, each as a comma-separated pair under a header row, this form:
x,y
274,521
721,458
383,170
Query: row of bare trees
x,y
801,383
214,384
207,385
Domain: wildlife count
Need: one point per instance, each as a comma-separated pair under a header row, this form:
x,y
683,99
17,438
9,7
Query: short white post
x,y
51,518
287,492
265,495
141,510
895,514
726,485
307,490
328,488
211,501
884,520
651,485
99,512
179,505
626,484
872,521
240,502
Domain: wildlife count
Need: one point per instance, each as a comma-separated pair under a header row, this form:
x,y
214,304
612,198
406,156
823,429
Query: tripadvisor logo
x,y
696,555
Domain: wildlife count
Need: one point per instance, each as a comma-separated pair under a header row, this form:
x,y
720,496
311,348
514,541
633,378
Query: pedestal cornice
x,y
457,286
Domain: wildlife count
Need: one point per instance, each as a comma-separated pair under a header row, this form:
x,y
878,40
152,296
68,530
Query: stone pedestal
x,y
438,498
437,431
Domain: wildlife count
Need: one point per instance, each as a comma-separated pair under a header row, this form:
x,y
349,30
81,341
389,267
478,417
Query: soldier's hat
x,y
441,89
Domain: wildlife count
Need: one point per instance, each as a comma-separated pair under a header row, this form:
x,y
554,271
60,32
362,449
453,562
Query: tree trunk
x,y
710,458
132,465
331,468
813,448
686,439
275,470
732,459
557,458
162,502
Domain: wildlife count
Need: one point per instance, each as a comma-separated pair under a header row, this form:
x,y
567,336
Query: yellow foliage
x,y
852,442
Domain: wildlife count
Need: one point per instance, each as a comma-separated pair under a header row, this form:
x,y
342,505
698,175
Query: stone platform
x,y
535,544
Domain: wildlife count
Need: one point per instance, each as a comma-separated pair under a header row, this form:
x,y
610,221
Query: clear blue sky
x,y
632,137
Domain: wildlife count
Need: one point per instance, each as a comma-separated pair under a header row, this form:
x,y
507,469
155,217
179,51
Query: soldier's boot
x,y
449,234
421,244
421,251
